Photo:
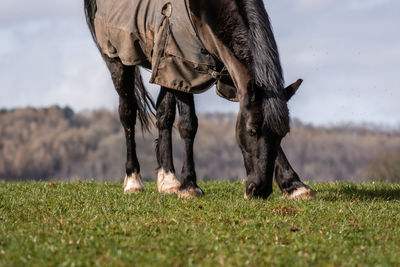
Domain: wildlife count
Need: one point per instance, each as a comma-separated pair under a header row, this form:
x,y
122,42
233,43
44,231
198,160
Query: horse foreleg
x,y
187,126
124,79
288,180
166,109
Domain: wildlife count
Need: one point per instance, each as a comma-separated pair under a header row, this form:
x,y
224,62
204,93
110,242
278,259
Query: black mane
x,y
266,63
247,31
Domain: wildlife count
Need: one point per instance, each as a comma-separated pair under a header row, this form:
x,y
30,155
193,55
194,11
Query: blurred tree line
x,y
56,143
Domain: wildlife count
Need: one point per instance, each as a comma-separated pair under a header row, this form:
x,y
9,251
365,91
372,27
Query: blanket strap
x,y
218,75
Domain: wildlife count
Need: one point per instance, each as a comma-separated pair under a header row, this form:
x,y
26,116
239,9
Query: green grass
x,y
82,223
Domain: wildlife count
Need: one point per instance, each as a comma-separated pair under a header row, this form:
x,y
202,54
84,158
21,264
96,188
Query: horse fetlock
x,y
133,183
190,191
167,182
257,190
302,193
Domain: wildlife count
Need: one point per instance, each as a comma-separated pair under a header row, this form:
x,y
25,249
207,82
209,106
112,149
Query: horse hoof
x,y
167,182
302,193
133,183
191,192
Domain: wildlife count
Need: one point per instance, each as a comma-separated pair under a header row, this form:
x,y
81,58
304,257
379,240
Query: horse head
x,y
262,123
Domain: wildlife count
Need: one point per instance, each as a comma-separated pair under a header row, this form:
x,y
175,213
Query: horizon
x,y
379,127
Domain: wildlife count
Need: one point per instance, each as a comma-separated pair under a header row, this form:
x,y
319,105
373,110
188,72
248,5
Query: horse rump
x,y
145,104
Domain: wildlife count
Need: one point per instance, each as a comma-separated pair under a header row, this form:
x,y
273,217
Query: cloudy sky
x,y
348,53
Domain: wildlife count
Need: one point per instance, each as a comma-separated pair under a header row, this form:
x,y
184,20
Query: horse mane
x,y
265,56
265,64
245,28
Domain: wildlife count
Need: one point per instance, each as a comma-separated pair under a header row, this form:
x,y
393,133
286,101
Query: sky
x,y
347,52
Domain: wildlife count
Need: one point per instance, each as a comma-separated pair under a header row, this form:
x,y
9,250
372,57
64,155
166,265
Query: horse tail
x,y
267,67
144,102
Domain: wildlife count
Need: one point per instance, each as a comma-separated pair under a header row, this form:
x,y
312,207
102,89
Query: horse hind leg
x,y
166,109
187,126
124,81
288,180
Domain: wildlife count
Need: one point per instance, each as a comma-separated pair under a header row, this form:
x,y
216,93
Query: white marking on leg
x,y
167,182
191,193
133,183
302,193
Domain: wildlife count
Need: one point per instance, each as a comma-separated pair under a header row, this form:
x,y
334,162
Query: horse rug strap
x,y
159,35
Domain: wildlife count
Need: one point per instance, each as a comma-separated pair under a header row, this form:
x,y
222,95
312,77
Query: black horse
x,y
189,45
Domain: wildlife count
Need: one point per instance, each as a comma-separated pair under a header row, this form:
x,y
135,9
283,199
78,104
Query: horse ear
x,y
291,89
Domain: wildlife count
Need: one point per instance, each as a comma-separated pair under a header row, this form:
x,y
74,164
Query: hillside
x,y
56,143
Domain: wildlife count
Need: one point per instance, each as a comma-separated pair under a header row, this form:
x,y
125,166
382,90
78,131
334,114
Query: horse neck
x,y
226,35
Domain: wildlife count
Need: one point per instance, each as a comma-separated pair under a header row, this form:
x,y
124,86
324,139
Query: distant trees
x,y
51,142
336,152
60,144
384,167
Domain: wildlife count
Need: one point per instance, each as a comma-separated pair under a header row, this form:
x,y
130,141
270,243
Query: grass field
x,y
81,223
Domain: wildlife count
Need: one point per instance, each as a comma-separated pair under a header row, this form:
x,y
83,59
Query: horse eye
x,y
252,132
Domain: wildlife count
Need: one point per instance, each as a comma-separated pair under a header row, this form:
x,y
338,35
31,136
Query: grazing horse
x,y
190,45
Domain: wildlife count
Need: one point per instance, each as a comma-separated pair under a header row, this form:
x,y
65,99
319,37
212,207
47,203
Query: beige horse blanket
x,y
159,35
